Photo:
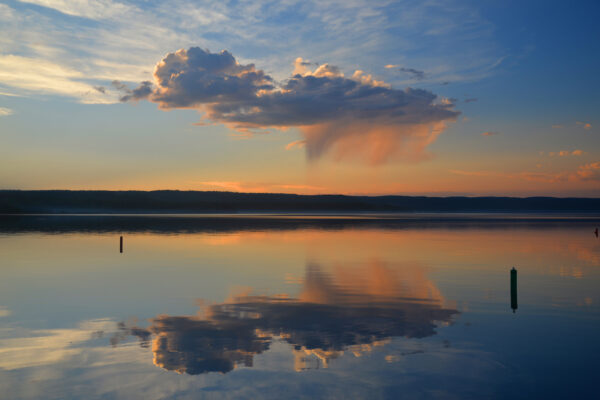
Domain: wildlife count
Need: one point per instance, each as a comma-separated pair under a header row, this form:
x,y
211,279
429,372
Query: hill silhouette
x,y
171,201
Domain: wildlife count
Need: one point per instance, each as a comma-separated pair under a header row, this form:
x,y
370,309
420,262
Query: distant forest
x,y
170,201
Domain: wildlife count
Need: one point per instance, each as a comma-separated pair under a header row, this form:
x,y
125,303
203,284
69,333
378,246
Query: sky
x,y
344,96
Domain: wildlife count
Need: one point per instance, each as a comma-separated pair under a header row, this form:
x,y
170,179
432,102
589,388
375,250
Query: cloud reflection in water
x,y
346,310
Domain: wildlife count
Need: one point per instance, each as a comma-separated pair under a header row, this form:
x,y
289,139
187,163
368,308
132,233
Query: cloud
x,y
351,118
585,125
5,111
490,133
125,38
296,143
4,312
6,13
140,93
525,175
414,73
586,172
557,126
36,75
589,172
471,100
564,153
96,9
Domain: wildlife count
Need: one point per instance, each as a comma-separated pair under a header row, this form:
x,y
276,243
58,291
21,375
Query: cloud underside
x,y
354,117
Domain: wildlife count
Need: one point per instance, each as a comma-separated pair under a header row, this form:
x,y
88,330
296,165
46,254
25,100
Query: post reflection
x,y
344,310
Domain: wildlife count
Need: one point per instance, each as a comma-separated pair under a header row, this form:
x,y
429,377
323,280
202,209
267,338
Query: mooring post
x,y
121,244
513,289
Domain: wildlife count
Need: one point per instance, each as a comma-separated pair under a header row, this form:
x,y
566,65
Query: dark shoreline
x,y
193,202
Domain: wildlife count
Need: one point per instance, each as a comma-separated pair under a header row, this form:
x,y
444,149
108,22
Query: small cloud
x,y
297,143
4,312
588,172
101,89
466,119
414,73
140,93
557,126
4,112
564,153
490,133
585,125
471,100
119,85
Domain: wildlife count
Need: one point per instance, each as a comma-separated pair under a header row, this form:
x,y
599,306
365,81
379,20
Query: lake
x,y
413,306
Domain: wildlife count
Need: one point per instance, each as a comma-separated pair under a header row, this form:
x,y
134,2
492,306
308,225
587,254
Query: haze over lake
x,y
299,310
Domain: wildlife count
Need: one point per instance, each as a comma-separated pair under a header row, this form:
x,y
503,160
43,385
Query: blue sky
x,y
524,73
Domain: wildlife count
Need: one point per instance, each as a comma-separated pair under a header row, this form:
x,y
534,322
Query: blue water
x,y
280,307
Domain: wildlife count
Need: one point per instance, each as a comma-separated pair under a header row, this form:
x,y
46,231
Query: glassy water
x,y
297,307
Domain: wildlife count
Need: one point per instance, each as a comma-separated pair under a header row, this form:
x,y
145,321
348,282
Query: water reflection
x,y
346,310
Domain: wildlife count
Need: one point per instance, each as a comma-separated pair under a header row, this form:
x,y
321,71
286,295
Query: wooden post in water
x,y
121,244
513,289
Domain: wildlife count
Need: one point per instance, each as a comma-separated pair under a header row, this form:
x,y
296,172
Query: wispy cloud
x,y
5,111
564,153
295,144
490,133
35,75
124,39
93,9
586,172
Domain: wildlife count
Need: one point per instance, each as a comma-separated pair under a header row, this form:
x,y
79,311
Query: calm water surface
x,y
298,308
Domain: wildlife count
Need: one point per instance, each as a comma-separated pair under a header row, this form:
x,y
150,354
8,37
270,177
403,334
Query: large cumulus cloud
x,y
349,117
